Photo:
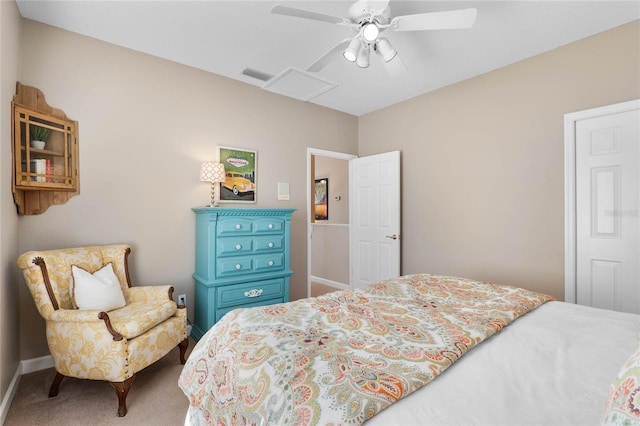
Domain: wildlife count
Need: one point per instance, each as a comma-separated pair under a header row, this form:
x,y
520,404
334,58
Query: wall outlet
x,y
182,299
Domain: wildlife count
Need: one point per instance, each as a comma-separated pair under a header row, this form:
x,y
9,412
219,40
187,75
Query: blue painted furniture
x,y
242,260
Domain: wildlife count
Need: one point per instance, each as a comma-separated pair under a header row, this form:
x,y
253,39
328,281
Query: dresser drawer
x,y
268,262
229,266
234,246
235,226
269,243
255,292
269,224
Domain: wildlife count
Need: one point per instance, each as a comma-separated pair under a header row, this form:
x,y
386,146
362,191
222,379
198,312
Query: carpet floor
x,y
320,289
154,398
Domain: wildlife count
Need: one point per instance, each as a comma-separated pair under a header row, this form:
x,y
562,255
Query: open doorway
x,y
327,221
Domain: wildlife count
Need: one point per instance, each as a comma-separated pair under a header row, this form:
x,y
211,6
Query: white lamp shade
x,y
363,56
212,172
386,50
351,53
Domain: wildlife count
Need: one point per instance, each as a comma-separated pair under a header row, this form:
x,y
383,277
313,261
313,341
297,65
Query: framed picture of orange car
x,y
240,167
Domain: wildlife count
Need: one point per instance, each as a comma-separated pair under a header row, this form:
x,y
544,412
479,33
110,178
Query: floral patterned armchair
x,y
93,344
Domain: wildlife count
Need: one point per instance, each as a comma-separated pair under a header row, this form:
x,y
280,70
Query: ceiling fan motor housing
x,y
364,12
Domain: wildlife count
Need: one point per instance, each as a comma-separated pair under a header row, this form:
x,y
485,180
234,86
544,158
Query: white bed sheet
x,y
553,366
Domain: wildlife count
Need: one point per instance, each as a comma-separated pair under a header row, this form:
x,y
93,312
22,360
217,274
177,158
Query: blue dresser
x,y
242,260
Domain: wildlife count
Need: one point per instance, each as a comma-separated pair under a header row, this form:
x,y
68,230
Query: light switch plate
x,y
283,191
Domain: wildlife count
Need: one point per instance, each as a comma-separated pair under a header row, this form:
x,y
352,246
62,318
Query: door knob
x,y
393,237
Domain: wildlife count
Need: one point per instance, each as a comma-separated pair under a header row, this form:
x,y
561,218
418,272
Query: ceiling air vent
x,y
299,84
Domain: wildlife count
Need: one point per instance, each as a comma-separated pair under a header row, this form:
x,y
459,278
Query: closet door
x,y
607,149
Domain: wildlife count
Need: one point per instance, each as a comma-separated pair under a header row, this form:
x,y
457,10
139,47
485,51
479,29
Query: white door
x,y
607,187
374,211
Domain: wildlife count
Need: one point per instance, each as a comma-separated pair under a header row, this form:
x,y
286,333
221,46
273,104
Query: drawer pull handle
x,y
254,292
271,226
271,263
238,226
238,246
270,245
238,266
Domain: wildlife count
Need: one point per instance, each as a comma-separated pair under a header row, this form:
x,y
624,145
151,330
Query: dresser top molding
x,y
251,211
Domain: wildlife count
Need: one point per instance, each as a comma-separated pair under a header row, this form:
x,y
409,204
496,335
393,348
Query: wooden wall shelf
x,y
42,176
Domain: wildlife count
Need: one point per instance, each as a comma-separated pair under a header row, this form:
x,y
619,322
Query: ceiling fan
x,y
368,19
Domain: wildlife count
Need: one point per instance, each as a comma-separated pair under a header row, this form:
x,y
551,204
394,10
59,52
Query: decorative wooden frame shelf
x,y
42,176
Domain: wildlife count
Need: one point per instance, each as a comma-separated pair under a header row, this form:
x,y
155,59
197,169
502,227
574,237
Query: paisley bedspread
x,y
343,357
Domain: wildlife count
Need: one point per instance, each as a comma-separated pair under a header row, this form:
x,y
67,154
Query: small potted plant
x,y
38,135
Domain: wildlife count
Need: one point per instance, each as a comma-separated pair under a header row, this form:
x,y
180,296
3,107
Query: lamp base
x,y
214,202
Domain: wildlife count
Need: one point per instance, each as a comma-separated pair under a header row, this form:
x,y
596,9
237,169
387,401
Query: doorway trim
x,y
311,152
570,245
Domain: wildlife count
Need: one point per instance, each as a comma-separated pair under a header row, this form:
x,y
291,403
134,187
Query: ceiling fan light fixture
x,y
368,19
386,50
363,56
351,53
370,32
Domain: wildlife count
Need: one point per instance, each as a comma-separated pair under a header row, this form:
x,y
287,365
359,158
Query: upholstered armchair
x,y
111,345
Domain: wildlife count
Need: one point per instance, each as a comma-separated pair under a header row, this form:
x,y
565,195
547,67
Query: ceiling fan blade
x,y
378,6
324,60
307,14
451,19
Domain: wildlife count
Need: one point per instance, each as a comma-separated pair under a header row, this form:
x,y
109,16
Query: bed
x,y
417,350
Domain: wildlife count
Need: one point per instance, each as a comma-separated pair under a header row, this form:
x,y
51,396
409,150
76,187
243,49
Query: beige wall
x,y
145,125
10,38
330,253
482,160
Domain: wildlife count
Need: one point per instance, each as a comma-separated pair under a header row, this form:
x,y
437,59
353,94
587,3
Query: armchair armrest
x,y
148,293
75,315
92,318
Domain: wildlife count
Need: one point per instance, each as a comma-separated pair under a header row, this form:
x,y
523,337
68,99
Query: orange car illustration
x,y
237,183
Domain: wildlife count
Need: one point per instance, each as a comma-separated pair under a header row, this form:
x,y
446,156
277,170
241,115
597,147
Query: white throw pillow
x,y
100,290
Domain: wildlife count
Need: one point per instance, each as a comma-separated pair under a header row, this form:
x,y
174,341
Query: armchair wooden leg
x,y
183,350
53,391
122,389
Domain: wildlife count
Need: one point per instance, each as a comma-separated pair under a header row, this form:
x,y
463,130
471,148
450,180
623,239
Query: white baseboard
x,y
8,397
25,367
330,283
36,364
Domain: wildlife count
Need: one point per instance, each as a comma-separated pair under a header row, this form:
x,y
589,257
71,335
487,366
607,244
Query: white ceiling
x,y
225,37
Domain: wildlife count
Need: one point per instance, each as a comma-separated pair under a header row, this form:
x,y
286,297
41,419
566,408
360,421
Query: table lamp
x,y
214,173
